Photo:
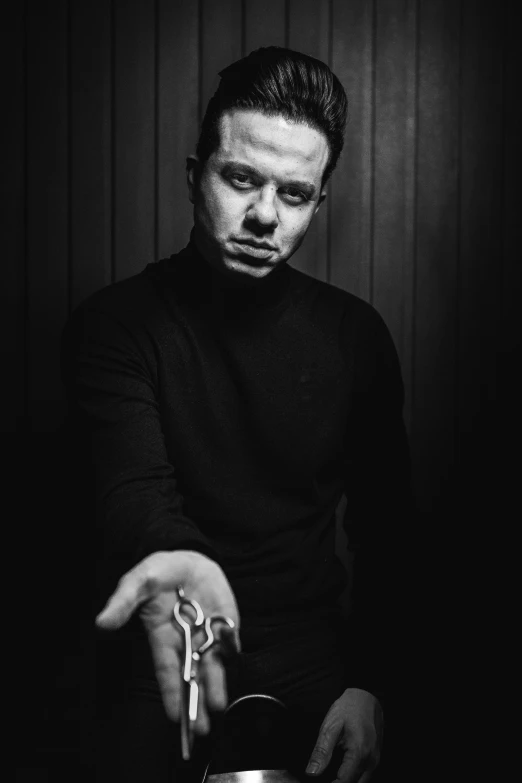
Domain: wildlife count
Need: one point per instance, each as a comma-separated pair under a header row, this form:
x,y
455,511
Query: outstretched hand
x,y
354,722
151,588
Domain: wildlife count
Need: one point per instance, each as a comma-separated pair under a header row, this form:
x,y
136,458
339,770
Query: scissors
x,y
189,616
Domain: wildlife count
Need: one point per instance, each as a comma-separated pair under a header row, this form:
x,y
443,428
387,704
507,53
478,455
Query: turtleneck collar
x,y
208,286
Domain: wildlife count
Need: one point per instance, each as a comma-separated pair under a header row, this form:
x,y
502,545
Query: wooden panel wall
x,y
107,107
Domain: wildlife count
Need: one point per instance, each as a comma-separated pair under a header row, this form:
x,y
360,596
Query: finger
x,y
352,769
214,678
166,648
322,753
229,641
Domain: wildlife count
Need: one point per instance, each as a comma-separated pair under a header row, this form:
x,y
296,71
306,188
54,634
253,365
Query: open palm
x,y
151,589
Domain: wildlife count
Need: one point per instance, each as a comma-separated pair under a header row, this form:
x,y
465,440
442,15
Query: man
x,y
226,401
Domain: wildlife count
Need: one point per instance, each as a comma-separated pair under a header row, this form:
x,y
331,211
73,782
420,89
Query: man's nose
x,y
264,209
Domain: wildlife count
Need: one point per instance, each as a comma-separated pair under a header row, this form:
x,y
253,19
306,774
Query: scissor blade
x,y
185,733
193,701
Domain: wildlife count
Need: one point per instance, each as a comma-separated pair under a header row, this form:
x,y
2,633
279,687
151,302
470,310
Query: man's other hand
x,y
354,722
150,588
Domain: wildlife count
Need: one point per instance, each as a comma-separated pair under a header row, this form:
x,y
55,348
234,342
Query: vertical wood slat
x,y
134,136
264,24
91,269
394,161
309,32
178,102
47,264
510,317
480,229
437,251
351,187
12,309
48,208
406,346
90,261
309,28
221,26
509,330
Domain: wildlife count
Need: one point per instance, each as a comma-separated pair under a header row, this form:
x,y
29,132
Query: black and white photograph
x,y
261,404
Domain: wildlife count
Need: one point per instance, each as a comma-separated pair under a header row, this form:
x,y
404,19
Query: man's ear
x,y
320,200
193,172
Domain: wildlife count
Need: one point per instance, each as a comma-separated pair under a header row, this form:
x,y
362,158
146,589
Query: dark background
x,y
105,100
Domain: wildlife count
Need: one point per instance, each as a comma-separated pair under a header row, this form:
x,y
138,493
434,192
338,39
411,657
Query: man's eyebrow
x,y
245,168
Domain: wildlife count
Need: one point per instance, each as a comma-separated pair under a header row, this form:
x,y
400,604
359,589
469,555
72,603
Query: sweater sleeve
x,y
109,372
379,511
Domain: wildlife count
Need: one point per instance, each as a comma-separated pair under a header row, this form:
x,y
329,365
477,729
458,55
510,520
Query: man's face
x,y
257,193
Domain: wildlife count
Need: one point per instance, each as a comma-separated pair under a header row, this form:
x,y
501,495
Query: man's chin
x,y
245,268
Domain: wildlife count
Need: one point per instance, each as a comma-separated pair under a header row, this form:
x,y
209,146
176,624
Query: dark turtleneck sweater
x,y
230,420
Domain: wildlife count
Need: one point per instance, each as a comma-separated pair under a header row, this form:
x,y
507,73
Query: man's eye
x,y
294,196
241,180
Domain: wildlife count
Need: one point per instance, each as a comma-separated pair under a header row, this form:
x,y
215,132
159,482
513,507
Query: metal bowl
x,y
254,776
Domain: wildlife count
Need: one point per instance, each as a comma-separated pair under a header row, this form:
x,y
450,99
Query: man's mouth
x,y
253,248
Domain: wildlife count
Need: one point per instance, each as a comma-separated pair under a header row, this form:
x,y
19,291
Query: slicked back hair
x,y
277,81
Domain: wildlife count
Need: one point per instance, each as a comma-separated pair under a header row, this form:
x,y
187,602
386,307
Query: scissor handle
x,y
196,622
188,627
216,618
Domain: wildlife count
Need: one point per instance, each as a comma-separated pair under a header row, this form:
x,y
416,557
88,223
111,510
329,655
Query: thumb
x,y
114,614
122,603
324,747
